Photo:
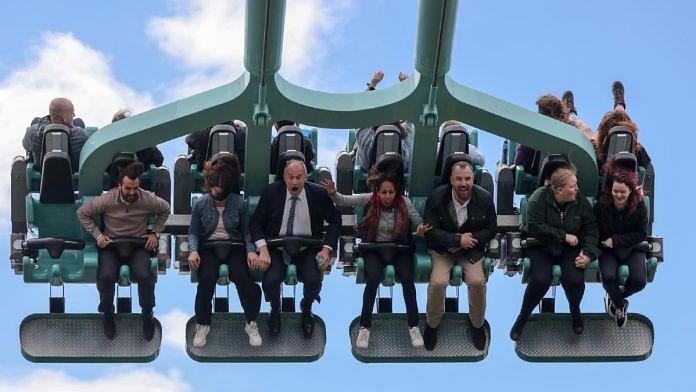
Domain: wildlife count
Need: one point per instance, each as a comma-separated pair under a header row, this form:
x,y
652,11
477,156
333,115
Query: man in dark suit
x,y
298,208
463,220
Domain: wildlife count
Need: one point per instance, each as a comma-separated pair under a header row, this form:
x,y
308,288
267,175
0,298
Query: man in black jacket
x,y
463,220
294,207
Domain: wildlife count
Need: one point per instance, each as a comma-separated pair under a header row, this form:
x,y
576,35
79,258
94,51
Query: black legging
x,y
107,275
540,275
609,264
208,274
374,271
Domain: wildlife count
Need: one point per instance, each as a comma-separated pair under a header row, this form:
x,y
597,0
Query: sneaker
x,y
609,305
578,324
416,338
518,327
621,316
109,325
363,339
478,336
569,102
430,337
148,325
617,89
201,333
253,331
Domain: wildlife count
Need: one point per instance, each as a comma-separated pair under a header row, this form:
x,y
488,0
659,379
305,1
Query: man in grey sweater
x,y
125,211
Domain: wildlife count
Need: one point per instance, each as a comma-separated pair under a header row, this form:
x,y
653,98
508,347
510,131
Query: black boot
x,y
307,318
430,337
274,320
478,335
517,327
109,325
148,324
578,324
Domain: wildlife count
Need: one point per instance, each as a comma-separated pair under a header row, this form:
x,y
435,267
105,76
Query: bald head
x,y
295,176
61,111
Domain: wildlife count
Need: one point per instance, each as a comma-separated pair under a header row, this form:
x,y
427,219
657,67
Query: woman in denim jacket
x,y
221,214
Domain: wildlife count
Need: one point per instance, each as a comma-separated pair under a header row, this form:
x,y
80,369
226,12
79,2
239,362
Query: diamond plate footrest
x,y
550,338
227,341
65,337
390,341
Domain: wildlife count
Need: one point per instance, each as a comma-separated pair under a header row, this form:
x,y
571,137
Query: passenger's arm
x,y
437,236
413,215
244,228
87,212
589,236
357,200
195,228
161,208
333,217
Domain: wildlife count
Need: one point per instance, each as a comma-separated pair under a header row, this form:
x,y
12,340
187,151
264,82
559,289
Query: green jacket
x,y
544,222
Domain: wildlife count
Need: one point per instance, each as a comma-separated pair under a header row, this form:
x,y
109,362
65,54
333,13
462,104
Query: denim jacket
x,y
204,220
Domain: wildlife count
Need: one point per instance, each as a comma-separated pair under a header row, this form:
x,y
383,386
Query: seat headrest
x,y
549,165
453,139
283,158
449,162
626,160
387,139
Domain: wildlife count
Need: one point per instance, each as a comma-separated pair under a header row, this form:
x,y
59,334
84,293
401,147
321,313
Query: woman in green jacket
x,y
565,224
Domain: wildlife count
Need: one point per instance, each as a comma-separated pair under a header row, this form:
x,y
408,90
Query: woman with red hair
x,y
623,223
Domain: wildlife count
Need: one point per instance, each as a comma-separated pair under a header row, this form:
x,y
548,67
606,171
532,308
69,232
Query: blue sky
x,y
144,54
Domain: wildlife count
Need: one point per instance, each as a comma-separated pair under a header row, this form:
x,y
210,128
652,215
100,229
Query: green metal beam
x,y
261,95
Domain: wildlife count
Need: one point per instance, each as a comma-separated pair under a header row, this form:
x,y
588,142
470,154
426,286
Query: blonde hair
x,y
561,176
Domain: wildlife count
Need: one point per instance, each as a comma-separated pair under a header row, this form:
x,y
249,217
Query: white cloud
x,y
136,380
61,66
208,38
174,328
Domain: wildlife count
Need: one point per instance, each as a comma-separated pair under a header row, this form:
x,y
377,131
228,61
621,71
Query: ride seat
x,y
387,139
454,139
549,165
222,140
283,158
619,139
56,176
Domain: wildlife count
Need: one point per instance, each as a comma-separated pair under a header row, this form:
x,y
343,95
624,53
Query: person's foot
x,y
578,324
307,319
478,336
363,339
430,337
609,305
109,325
199,339
252,330
517,328
621,316
617,89
569,102
416,338
274,320
148,325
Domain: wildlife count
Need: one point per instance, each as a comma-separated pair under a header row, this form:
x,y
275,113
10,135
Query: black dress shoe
x,y
307,324
430,337
274,320
516,331
109,325
148,325
478,335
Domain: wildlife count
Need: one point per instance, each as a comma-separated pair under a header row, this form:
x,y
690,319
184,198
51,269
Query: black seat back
x,y
619,139
387,139
56,170
118,164
221,140
549,165
290,138
454,139
283,158
451,160
626,160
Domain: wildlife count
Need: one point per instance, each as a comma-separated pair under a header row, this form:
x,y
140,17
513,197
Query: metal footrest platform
x,y
390,341
227,341
80,337
550,338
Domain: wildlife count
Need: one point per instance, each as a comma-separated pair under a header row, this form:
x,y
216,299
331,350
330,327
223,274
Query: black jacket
x,y
150,155
441,215
545,223
624,229
268,217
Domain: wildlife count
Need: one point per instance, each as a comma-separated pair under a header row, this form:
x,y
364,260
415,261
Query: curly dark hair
x,y
549,105
377,178
223,172
623,176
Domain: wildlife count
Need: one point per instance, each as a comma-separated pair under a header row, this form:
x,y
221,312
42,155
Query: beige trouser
x,y
439,280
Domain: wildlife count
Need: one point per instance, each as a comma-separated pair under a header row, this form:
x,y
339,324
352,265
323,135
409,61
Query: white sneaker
x,y
609,305
253,331
201,334
363,339
416,337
